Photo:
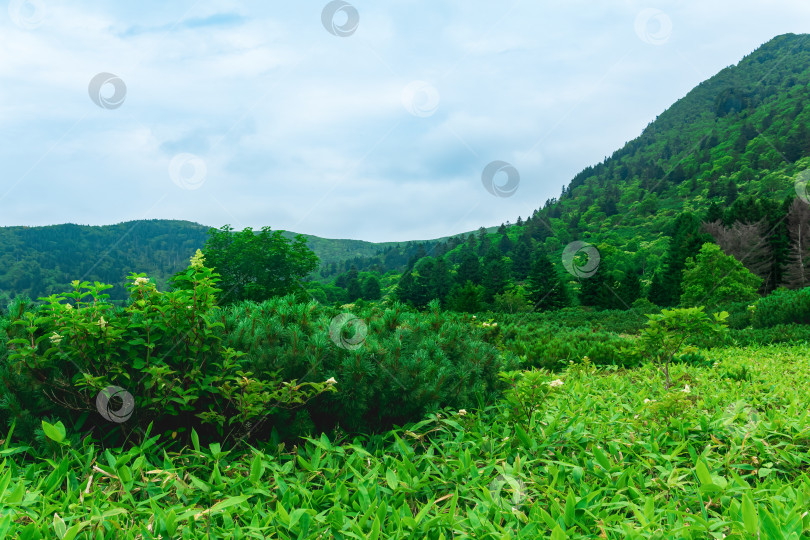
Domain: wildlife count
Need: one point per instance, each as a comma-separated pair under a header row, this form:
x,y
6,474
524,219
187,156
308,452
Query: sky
x,y
379,121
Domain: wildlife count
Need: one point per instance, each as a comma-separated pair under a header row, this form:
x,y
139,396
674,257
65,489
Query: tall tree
x,y
797,273
521,259
546,290
714,278
371,288
257,266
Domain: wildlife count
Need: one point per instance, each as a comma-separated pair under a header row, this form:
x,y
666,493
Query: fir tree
x,y
546,290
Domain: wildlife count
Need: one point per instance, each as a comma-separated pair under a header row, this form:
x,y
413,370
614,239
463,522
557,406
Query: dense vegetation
x,y
522,382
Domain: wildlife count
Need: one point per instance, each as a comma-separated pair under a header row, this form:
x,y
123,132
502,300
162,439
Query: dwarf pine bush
x,y
391,365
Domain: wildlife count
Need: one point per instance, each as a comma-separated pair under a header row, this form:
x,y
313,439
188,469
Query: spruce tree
x,y
546,290
521,260
371,288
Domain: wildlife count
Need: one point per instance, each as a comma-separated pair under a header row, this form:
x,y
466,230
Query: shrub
x,y
783,307
678,331
781,333
553,346
391,367
160,355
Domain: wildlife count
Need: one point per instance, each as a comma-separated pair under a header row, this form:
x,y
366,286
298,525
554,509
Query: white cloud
x,y
305,130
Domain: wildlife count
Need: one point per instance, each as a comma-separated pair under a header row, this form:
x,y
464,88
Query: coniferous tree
x,y
469,268
353,290
629,289
466,298
685,241
440,280
546,290
496,275
371,288
505,244
521,260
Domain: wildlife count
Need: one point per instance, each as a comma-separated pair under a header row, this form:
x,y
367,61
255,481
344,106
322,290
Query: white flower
x,y
685,389
141,281
68,306
556,383
55,338
462,412
197,260
649,400
102,323
331,380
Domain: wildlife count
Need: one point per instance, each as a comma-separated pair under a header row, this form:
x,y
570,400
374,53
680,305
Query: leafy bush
x,y
783,307
160,356
392,366
552,346
679,331
781,333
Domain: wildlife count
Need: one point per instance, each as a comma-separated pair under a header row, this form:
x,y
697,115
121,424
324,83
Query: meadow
x,y
582,447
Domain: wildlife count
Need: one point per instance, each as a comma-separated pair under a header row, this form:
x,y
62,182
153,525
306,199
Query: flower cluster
x,y
197,260
55,338
141,281
556,383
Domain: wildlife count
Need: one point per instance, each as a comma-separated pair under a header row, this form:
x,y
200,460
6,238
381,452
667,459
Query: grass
x,y
729,458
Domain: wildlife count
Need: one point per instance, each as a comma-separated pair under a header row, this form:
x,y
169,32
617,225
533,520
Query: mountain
x,y
721,164
38,261
728,151
742,133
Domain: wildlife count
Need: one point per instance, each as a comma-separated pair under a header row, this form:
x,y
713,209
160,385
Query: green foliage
x,y
714,278
782,307
162,350
602,455
547,290
391,365
678,331
256,266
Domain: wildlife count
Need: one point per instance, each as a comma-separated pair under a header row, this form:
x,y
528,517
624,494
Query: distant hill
x,y
38,261
730,149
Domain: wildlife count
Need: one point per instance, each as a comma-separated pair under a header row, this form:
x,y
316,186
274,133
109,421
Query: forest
x,y
630,361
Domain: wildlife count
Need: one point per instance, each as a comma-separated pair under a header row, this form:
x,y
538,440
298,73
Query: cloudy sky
x,y
369,120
